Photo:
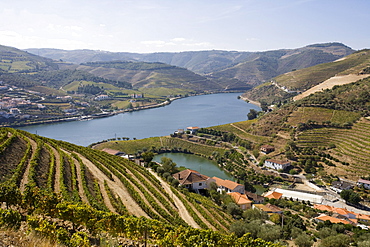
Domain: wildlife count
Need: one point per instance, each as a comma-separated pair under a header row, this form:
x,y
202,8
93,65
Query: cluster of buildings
x,y
341,215
11,107
196,181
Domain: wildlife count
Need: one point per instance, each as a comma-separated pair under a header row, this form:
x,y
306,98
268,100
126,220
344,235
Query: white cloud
x,y
178,39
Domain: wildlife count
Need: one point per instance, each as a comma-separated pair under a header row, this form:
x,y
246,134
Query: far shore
x,y
250,101
109,114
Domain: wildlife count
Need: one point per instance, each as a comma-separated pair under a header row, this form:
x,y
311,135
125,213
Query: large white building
x,y
277,164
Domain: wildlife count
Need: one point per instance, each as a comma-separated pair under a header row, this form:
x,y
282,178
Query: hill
x,y
147,77
233,70
70,193
346,70
14,60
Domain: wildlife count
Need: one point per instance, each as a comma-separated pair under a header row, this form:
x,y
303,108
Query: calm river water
x,y
194,162
201,111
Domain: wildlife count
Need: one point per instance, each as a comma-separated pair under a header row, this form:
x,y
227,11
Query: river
x,y
202,111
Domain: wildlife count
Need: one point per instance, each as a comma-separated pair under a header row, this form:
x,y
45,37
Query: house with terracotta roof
x,y
364,183
324,217
363,217
192,129
277,164
349,215
241,200
228,185
273,195
340,211
267,149
191,179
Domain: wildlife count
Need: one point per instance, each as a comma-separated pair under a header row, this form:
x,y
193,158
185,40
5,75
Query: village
x,y
326,200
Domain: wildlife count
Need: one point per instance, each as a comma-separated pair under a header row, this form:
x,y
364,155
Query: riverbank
x,y
250,101
94,116
106,114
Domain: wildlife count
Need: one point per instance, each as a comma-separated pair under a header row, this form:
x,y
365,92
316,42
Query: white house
x,y
364,183
227,185
277,164
101,97
191,179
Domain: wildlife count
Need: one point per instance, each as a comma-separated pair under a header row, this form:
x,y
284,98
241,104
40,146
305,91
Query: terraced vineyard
x,y
103,181
351,145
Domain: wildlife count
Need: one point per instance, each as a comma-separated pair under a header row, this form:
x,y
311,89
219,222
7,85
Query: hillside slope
x,y
288,85
232,69
151,75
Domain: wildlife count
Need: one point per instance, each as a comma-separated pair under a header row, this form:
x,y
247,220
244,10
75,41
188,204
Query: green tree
x,y
254,214
252,114
339,240
303,240
147,157
234,209
350,196
239,228
168,165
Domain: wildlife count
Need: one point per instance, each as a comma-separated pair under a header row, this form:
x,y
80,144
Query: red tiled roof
x,y
324,217
189,177
273,195
226,183
239,198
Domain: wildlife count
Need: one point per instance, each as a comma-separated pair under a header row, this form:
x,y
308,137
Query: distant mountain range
x,y
229,70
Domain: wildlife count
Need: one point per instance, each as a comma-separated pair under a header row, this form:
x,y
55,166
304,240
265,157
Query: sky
x,y
146,26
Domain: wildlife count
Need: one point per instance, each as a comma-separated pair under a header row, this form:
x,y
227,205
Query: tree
x,y
239,228
234,209
254,214
252,114
147,157
339,240
303,240
168,165
350,196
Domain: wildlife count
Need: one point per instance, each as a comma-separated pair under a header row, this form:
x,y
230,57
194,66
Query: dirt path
x,y
24,180
184,214
330,83
116,186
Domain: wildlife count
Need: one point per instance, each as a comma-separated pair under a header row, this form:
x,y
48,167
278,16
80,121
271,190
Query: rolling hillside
x,y
147,76
346,70
231,69
98,192
14,60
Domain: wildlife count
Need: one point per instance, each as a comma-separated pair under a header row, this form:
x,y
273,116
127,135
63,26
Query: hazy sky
x,y
183,25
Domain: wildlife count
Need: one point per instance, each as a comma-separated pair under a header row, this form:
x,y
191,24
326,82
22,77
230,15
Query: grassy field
x,y
132,146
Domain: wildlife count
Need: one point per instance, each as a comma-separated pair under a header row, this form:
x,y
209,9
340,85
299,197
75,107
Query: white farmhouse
x,y
277,164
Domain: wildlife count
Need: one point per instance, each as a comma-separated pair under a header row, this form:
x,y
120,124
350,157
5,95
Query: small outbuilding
x,y
267,149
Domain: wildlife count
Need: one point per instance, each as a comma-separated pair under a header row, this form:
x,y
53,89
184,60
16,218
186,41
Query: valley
x,y
305,148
